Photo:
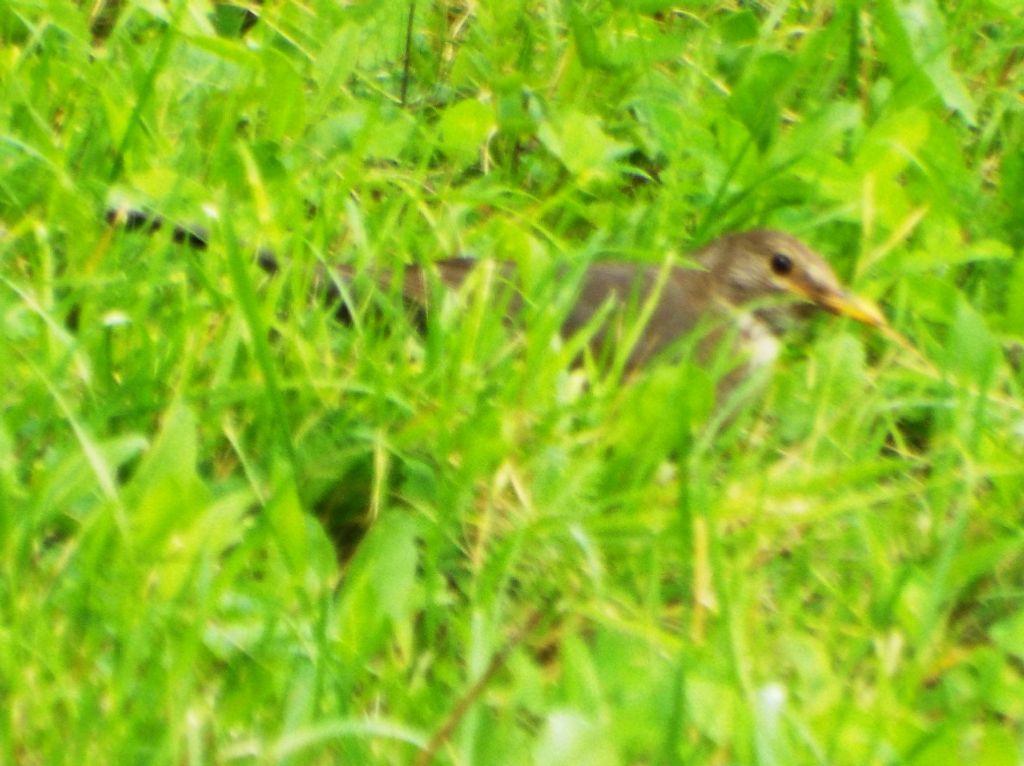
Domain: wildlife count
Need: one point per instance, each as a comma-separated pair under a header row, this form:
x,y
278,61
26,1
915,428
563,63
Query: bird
x,y
740,293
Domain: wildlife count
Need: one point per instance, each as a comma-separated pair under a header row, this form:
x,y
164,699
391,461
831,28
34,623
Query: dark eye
x,y
782,264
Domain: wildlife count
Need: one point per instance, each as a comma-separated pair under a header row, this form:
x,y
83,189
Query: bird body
x,y
747,287
742,290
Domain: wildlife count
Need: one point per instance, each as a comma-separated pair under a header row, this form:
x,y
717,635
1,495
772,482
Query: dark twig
x,y
462,707
408,50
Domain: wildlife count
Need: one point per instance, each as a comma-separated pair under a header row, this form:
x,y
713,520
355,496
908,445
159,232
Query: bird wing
x,y
674,302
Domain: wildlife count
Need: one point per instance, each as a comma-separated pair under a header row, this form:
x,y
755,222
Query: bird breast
x,y
760,344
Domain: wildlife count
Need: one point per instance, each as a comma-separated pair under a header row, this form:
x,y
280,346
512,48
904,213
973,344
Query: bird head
x,y
779,276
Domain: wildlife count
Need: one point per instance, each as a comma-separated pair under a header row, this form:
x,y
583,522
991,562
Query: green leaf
x,y
973,350
307,550
648,6
971,252
715,707
584,35
465,128
892,143
167,494
229,19
336,61
933,299
230,50
173,454
820,131
916,46
193,552
1015,301
285,95
579,141
1011,190
285,514
756,99
388,132
737,28
396,565
1008,634
570,737
71,484
379,584
986,745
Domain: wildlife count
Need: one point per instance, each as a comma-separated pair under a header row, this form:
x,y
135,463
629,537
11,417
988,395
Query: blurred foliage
x,y
235,531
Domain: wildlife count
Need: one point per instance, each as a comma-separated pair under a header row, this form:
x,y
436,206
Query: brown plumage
x,y
763,279
750,286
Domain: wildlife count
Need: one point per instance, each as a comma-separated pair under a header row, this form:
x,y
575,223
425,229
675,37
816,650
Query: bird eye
x,y
782,264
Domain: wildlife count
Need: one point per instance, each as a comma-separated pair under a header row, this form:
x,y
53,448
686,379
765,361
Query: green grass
x,y
234,531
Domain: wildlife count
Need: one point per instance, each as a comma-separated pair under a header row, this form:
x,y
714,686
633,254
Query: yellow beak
x,y
840,302
852,306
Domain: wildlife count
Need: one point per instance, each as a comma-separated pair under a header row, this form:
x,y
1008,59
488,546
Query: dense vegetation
x,y
234,531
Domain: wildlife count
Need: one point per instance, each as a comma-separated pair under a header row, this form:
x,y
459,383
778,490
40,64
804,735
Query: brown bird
x,y
740,293
745,289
